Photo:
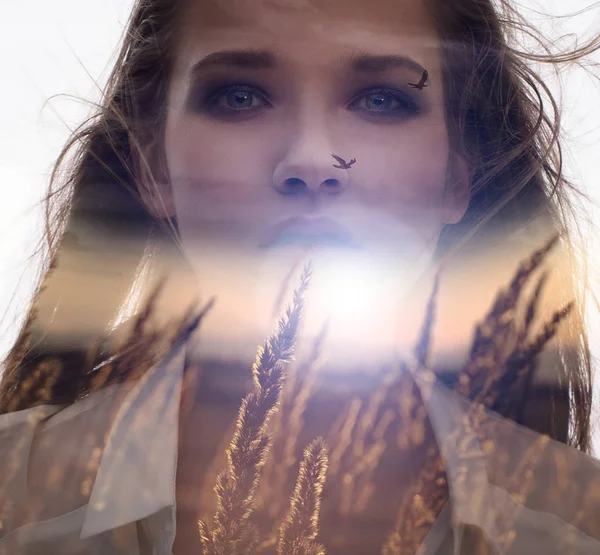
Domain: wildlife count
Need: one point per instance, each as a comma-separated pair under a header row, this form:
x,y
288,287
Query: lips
x,y
313,231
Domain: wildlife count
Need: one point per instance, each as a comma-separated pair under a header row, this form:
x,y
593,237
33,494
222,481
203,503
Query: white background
x,y
65,48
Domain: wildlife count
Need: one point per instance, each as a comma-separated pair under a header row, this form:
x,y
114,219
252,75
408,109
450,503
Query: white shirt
x,y
131,507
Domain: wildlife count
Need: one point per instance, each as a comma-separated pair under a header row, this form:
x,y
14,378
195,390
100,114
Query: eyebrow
x,y
370,63
263,59
240,59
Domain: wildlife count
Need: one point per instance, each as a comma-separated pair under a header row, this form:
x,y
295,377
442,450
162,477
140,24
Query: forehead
x,y
407,14
307,28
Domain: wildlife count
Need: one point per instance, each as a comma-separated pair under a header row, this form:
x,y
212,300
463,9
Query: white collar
x,y
483,495
136,476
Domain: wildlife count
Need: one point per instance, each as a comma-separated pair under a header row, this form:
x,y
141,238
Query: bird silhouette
x,y
422,83
343,164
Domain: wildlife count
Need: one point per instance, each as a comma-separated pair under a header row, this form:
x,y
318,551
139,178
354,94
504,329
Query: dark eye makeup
x,y
233,98
238,100
387,101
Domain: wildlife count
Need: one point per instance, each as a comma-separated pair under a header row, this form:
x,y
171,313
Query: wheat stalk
x,y
38,388
10,397
298,532
232,532
366,451
479,381
346,424
519,370
520,489
122,401
492,336
420,508
288,423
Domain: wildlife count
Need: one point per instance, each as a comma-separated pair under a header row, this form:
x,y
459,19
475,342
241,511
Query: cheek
x,y
407,172
213,162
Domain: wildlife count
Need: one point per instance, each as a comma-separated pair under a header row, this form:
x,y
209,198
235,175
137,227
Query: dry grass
x,y
287,424
359,446
298,532
500,347
232,530
498,375
134,359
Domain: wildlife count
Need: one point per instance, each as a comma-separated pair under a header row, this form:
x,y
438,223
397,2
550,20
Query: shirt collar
x,y
484,494
136,476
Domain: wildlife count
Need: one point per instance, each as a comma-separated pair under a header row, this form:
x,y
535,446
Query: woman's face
x,y
264,92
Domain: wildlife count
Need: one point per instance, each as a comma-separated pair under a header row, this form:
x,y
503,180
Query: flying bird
x,y
343,164
422,83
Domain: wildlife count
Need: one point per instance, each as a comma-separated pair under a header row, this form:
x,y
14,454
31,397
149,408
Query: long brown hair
x,y
498,118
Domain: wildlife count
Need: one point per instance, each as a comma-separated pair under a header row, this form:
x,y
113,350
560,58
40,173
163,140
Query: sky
x,y
54,54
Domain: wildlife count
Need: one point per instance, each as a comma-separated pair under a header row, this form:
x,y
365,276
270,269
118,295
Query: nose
x,y
308,169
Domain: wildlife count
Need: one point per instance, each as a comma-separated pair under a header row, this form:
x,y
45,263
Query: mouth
x,y
310,232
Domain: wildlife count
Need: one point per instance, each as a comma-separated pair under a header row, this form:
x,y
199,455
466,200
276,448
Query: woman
x,y
371,138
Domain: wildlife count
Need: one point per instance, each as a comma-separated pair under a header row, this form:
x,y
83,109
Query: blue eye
x,y
386,102
235,98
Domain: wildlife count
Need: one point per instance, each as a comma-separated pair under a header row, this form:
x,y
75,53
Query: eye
x,y
234,98
386,101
